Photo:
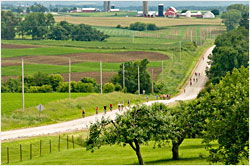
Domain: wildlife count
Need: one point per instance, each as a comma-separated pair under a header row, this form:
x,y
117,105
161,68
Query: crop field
x,y
126,21
101,14
57,110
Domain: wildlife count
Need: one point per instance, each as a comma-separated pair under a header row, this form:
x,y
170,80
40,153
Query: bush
x,y
108,87
63,87
40,89
138,26
88,80
152,27
84,87
55,80
118,26
12,85
118,87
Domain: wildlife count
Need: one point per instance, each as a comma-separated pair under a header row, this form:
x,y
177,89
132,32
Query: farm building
x,y
171,12
84,10
150,14
208,15
189,14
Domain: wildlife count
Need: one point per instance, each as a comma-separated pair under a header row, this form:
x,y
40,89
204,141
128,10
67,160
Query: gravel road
x,y
190,92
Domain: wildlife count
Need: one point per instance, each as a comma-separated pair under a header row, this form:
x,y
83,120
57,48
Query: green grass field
x,y
101,14
13,101
192,152
61,110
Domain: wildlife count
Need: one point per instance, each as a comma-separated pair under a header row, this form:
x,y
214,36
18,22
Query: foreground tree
x,y
134,128
227,104
231,19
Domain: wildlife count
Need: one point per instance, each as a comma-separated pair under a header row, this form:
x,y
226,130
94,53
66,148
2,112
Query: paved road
x,y
191,92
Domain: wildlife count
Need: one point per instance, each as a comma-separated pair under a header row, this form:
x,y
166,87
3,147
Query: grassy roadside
x,y
191,151
65,110
176,72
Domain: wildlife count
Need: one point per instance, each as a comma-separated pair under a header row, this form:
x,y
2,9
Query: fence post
x,y
59,144
67,142
30,151
50,145
73,142
21,152
8,157
40,148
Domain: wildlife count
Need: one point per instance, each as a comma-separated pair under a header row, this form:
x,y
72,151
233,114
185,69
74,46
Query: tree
x,y
138,26
38,25
231,51
131,76
244,22
58,33
216,12
28,10
64,10
227,106
88,80
38,8
152,27
240,7
8,25
184,11
108,87
55,80
133,128
231,19
84,32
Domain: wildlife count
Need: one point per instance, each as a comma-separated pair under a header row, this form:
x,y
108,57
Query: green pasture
x,y
78,67
13,101
63,110
191,151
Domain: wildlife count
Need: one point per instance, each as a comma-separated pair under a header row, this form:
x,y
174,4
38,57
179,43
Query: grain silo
x,y
145,8
105,5
160,10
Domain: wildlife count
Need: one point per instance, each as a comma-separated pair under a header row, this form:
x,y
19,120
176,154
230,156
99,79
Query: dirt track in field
x,y
17,46
87,57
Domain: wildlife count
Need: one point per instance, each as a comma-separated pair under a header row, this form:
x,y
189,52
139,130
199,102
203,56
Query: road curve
x,y
190,92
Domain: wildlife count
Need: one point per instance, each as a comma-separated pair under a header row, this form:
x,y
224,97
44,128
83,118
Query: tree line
x,y
46,83
42,26
140,26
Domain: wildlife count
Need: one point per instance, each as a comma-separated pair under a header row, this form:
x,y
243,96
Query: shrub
x,y
138,26
88,80
40,89
108,87
55,80
63,87
152,27
85,87
118,26
118,87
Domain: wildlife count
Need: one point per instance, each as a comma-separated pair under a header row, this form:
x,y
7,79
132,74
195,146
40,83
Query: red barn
x,y
171,12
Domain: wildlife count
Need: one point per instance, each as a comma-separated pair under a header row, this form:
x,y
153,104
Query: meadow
x,y
60,110
191,151
13,101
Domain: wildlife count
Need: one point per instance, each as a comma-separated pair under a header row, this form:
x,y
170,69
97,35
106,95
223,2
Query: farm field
x,y
126,21
60,110
100,14
192,151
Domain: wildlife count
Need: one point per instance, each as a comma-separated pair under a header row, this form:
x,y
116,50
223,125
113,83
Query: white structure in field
x,y
208,15
188,14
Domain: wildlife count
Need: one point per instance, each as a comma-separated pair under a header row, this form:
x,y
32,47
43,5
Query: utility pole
x,y
123,76
138,80
191,36
101,75
23,82
180,50
152,82
69,76
162,71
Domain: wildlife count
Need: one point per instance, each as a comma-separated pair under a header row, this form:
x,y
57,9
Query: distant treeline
x,y
42,26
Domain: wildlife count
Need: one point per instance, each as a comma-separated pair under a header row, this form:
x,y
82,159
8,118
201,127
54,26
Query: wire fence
x,y
28,151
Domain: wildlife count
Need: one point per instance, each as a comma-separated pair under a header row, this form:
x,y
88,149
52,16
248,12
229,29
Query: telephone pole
x,y
23,82
162,71
123,76
101,75
180,50
152,82
138,80
69,77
